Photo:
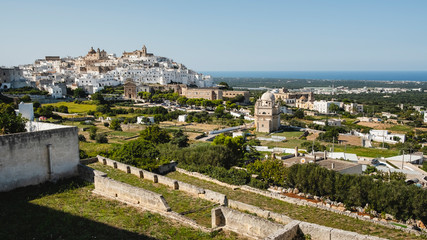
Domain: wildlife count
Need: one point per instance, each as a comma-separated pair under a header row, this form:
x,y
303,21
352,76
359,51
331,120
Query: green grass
x,y
69,210
179,201
365,152
303,213
400,128
73,107
289,135
92,149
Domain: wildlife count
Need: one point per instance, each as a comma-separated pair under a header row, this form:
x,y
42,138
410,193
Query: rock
x,y
317,198
341,208
296,191
309,196
366,216
359,209
290,190
383,220
348,211
328,205
389,216
420,224
373,213
375,219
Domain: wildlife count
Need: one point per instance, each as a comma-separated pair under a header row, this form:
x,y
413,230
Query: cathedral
x,y
267,113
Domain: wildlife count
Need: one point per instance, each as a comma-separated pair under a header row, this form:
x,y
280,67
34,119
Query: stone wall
x,y
222,217
174,184
31,158
280,218
126,193
242,223
298,201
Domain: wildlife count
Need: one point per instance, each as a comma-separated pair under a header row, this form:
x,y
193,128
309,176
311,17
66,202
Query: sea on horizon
x,y
325,75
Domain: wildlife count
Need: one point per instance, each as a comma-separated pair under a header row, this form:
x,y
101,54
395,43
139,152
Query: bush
x,y
83,154
92,132
115,125
82,138
256,183
106,124
101,138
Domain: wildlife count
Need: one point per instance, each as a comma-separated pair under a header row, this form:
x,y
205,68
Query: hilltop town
x,y
144,133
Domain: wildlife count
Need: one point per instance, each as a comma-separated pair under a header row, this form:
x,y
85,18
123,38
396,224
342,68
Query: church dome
x,y
268,96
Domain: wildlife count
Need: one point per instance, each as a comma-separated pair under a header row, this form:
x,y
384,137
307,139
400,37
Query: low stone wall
x,y
88,174
297,201
156,178
166,168
290,231
214,197
126,193
242,223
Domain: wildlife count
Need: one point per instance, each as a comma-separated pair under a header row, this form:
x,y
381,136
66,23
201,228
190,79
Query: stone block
x,y
317,232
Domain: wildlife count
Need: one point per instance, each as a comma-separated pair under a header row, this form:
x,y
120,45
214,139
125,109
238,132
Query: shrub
x,y
256,183
82,138
92,132
101,138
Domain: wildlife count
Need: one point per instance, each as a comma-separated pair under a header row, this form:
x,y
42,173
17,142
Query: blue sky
x,y
228,35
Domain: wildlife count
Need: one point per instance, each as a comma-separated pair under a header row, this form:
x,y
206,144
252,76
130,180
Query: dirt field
x,y
351,140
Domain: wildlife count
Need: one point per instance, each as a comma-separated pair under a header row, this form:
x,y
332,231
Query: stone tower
x,y
267,113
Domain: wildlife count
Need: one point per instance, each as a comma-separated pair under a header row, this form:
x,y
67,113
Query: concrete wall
x,y
25,157
129,194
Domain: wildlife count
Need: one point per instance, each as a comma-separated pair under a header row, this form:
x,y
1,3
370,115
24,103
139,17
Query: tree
x,y
82,138
235,144
92,132
299,113
140,153
331,135
63,109
25,98
180,139
98,98
101,138
9,121
224,85
155,135
79,93
333,108
115,125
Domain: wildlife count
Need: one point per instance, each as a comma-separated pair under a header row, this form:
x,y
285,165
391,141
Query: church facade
x,y
267,113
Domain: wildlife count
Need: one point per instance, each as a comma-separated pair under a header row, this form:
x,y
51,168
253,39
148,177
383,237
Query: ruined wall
x,y
25,157
129,194
174,184
243,223
280,218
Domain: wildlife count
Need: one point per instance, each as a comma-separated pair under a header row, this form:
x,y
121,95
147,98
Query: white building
x,y
323,106
26,110
331,122
385,136
182,118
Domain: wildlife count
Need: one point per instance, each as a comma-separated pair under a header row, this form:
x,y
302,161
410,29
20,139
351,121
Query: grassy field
x,y
365,152
73,107
179,201
400,128
303,213
92,148
69,210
